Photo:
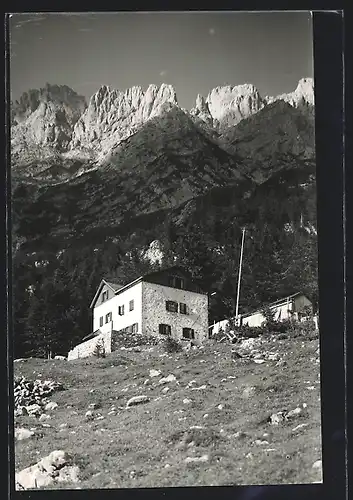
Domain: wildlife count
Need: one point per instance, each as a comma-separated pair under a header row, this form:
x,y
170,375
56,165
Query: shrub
x,y
171,345
99,349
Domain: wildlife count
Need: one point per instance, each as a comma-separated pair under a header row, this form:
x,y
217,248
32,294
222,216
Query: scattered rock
x,y
20,411
293,413
33,409
187,401
165,390
220,407
50,406
89,414
205,415
22,433
238,434
259,361
166,380
136,400
94,406
29,392
62,358
276,418
201,388
43,417
249,391
300,426
155,373
63,425
260,442
203,458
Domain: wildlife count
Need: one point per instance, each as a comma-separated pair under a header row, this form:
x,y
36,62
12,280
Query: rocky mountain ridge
x,y
55,124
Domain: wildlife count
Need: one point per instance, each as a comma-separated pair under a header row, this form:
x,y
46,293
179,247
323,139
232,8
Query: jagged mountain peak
x,y
304,93
113,115
56,94
229,105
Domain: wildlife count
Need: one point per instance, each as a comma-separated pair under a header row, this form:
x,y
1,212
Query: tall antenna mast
x,y
239,275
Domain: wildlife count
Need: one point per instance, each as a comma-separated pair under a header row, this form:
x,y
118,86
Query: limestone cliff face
x,y
43,120
113,115
303,94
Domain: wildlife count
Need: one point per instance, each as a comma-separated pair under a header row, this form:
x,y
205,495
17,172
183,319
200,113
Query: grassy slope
x,y
132,447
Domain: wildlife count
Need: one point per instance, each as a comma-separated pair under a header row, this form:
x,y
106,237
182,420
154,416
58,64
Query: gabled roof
x,y
275,303
113,286
120,288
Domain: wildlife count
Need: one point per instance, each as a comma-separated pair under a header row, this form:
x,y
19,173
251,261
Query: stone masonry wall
x,y
154,311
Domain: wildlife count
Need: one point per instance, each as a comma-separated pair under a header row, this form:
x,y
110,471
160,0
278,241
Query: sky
x,y
194,52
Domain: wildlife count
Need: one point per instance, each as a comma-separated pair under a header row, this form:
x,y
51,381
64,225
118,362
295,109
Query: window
x,y
131,305
135,328
101,321
171,306
176,282
188,333
105,295
108,317
165,329
121,310
183,308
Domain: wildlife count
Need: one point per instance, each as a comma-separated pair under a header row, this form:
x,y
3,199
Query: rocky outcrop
x,y
202,111
229,105
303,94
30,396
50,470
43,121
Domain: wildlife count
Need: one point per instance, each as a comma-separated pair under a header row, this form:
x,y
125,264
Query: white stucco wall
x,y
154,311
87,348
112,305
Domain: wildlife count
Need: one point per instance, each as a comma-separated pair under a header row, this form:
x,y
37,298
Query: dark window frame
x,y
177,282
108,317
172,306
131,305
164,329
191,331
183,308
101,320
121,310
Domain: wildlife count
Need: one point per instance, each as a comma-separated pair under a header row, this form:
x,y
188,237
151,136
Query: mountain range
x,y
55,127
